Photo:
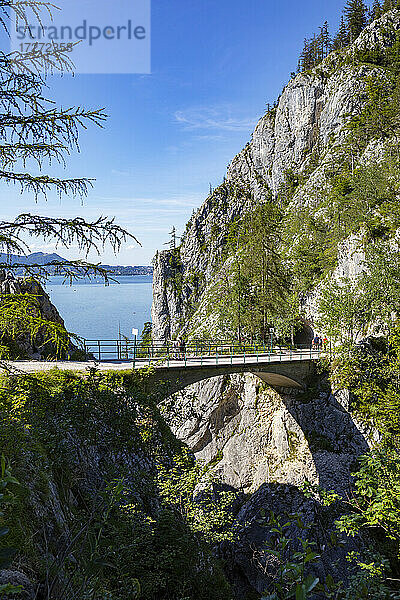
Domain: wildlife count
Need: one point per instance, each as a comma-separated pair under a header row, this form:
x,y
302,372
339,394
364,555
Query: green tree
x,y
341,39
344,312
377,492
325,40
22,321
293,559
315,49
174,239
6,500
253,285
371,373
376,10
389,5
36,132
381,284
355,13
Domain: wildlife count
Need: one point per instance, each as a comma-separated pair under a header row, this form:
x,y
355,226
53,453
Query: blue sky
x,y
170,134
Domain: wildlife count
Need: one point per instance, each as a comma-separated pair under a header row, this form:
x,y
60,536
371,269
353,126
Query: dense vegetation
x,y
106,507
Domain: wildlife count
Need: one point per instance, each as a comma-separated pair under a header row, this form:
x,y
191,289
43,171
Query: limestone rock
x,y
17,578
300,135
19,285
250,434
260,441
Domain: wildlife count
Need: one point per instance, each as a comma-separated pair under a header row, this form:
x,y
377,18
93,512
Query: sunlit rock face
x,y
261,441
302,134
250,434
265,444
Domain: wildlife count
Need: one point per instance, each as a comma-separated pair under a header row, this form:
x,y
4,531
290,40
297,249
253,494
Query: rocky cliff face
x,y
18,285
301,135
260,441
265,444
252,434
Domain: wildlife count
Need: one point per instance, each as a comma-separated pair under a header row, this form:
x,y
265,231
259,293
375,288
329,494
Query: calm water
x,y
95,311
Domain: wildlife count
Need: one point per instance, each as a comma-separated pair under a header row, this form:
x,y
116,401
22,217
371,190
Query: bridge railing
x,y
201,352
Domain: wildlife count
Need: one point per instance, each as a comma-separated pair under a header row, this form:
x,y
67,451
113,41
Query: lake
x,y
95,311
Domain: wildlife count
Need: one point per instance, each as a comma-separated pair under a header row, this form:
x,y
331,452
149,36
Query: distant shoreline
x,y
45,260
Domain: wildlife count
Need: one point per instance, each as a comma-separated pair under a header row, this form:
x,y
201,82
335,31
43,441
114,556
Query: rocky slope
x,y
19,285
302,135
265,444
260,441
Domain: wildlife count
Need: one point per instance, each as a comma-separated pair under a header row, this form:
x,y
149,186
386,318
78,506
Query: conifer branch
x,y
88,236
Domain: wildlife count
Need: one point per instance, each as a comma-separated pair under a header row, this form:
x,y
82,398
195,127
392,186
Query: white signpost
x,y
135,333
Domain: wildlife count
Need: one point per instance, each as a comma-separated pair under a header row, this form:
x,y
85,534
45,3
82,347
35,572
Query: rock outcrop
x,y
301,135
250,434
18,580
35,347
263,442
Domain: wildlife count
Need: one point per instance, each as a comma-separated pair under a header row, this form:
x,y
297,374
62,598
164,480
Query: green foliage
x,y
376,120
253,289
21,320
146,335
343,312
354,19
341,39
325,497
371,374
294,559
376,499
207,512
292,579
6,499
368,579
355,13
309,247
315,49
97,446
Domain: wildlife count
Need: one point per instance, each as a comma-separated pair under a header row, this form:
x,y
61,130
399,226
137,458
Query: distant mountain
x,y
41,258
37,258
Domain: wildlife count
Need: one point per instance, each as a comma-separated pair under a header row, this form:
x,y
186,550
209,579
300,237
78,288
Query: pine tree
x,y
355,13
304,57
325,40
376,10
390,5
35,131
315,49
174,238
387,5
341,39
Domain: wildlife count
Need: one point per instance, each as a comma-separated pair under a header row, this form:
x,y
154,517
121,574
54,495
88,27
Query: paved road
x,y
252,360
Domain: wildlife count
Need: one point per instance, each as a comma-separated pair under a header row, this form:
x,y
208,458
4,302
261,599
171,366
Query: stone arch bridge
x,y
278,367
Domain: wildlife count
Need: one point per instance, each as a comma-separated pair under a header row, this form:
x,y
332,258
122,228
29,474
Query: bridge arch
x,y
285,374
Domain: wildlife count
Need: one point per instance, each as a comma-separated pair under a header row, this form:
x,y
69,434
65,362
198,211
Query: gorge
x,y
233,486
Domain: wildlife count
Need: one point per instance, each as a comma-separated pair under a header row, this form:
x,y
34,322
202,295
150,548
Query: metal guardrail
x,y
202,353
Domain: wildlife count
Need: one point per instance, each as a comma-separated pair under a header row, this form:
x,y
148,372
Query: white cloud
x,y
126,204
219,118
